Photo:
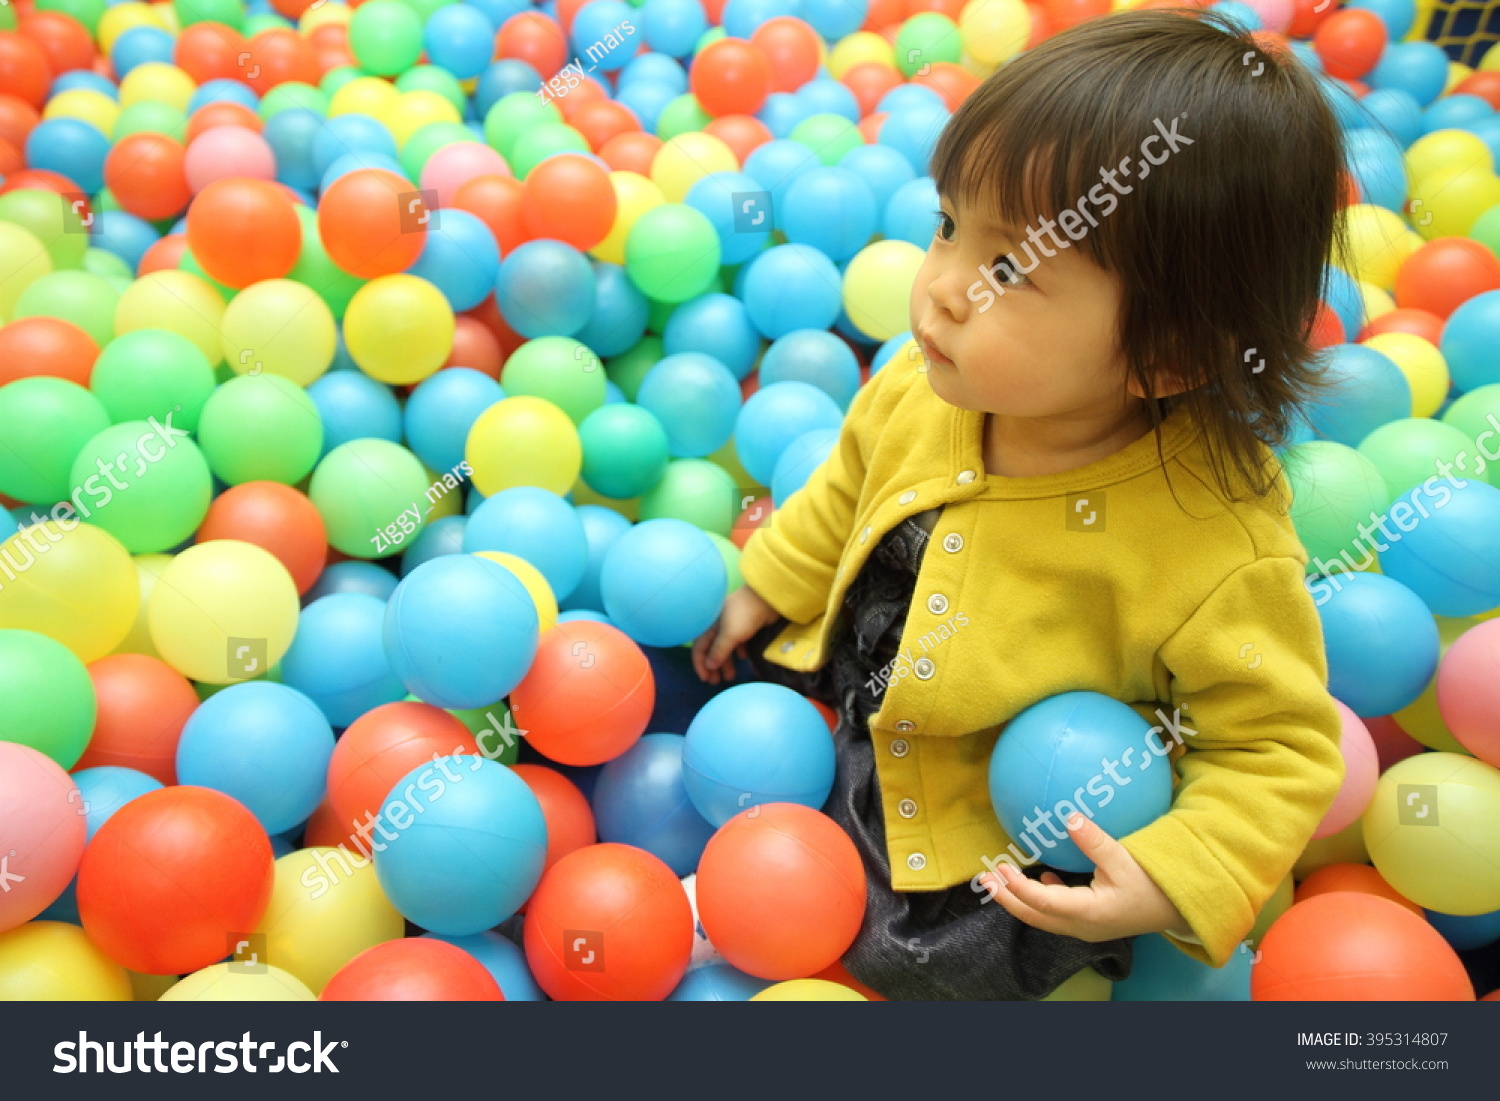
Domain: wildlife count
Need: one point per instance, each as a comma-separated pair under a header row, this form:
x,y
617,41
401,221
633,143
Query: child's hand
x,y
744,613
1122,900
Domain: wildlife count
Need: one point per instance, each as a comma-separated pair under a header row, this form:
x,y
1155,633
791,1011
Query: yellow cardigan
x,y
1122,577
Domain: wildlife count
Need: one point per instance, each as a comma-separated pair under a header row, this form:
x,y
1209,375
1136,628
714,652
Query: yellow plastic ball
x,y
1447,202
1490,62
1423,365
123,17
325,15
524,441
54,961
535,583
857,48
216,591
634,195
326,908
364,95
1379,242
217,983
148,568
149,988
994,30
178,301
417,109
399,329
1433,831
684,160
1421,718
583,494
1458,72
279,327
1345,847
158,82
23,260
877,287
1376,301
94,108
79,587
809,990
1447,149
1086,986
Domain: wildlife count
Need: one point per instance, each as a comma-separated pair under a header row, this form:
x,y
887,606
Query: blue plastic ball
x,y
1455,111
911,214
773,417
1470,338
717,325
459,38
813,356
1245,17
834,19
337,659
1375,160
266,745
342,135
655,68
220,91
460,631
1341,102
825,96
884,353
696,399
621,312
138,46
774,165
782,112
882,168
503,960
1450,557
460,258
718,982
534,524
1382,641
86,80
502,78
803,456
69,147
1396,112
910,97
353,406
1488,131
913,133
545,287
464,853
604,34
1419,69
789,287
1366,390
1397,15
641,799
498,11
831,209
125,235
601,527
353,577
1160,972
437,538
741,17
663,582
1466,932
757,743
1342,294
646,99
673,27
105,789
442,409
721,197
291,134
1083,752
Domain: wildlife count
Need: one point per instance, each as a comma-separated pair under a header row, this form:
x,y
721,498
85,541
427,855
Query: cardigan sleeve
x,y
1261,764
791,560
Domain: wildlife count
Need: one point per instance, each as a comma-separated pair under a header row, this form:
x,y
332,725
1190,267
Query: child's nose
x,y
948,291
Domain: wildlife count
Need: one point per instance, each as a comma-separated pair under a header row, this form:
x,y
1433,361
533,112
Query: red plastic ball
x,y
882,14
41,179
1484,84
475,347
742,133
25,71
781,891
730,77
11,158
415,969
222,114
1308,16
243,231
64,40
383,745
1422,323
1350,43
951,8
531,37
364,224
143,705
488,314
173,878
569,199
1444,274
163,255
145,174
1350,946
952,82
212,51
632,151
870,81
1062,14
601,120
17,119
1392,744
46,346
609,923
498,202
869,127
276,518
588,695
279,56
1351,877
570,819
1327,329
791,47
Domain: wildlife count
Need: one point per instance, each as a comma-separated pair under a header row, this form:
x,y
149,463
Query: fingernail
x,y
1075,821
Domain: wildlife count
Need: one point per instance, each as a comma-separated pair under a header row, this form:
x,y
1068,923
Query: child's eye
x,y
1004,269
945,226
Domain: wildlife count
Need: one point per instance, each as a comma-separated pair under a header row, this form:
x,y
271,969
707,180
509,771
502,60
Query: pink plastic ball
x,y
1361,772
454,165
1468,690
227,151
1275,15
42,827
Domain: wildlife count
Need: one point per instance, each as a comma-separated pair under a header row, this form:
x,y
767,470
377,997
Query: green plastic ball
x,y
432,78
624,450
151,373
513,115
1477,413
52,220
696,490
337,77
559,369
830,137
659,313
291,95
540,142
1334,490
330,282
425,8
44,423
102,262
260,428
629,369
46,696
731,555
680,115
1407,452
365,487
145,484
87,12
231,13
672,253
427,141
1486,229
385,36
266,21
85,299
153,117
494,730
926,38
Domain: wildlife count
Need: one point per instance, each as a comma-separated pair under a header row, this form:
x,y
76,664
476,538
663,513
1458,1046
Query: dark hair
x,y
1220,247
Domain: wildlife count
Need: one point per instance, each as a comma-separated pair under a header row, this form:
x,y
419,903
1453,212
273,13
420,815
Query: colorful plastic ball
x,y
1348,946
1160,972
280,327
790,287
524,441
338,660
260,428
383,745
695,398
385,39
672,253
621,312
662,582
44,424
1419,451
1365,390
741,232
353,406
718,982
570,821
731,77
459,38
802,457
1466,691
439,537
717,325
876,287
46,346
808,990
602,526
569,198
44,826
505,962
545,288
753,744
559,369
55,961
1431,831
816,357
371,495
74,584
353,577
1421,363
637,920
1350,43
413,969
441,410
1351,877
625,450
537,525
223,611
1361,771
1418,68
373,222
1448,543
1468,341
1463,933
399,328
71,148
773,417
640,799
222,983
275,517
142,706
170,875
781,891
460,259
1382,643
153,372
460,631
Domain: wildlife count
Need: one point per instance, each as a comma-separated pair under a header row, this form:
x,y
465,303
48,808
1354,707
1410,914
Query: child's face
x,y
1041,344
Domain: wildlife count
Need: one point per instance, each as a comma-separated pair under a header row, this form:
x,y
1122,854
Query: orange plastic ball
x,y
1484,84
588,91
143,705
569,199
601,120
588,695
570,820
755,514
742,133
11,158
222,114
1062,14
870,81
1351,946
46,346
278,56
212,51
884,13
632,151
1422,323
609,923
365,223
1327,329
383,745
243,231
145,174
17,119
869,127
475,347
1444,274
1351,877
25,71
952,82
498,202
781,891
951,8
792,49
414,969
64,40
730,77
531,37
1350,43
171,877
276,518
293,9
163,255
837,972
1308,16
